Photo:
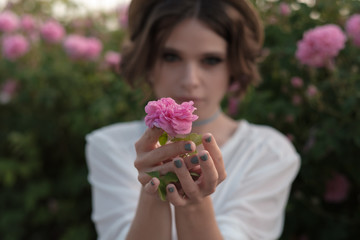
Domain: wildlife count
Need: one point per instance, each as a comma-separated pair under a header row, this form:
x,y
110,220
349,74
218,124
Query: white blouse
x,y
260,163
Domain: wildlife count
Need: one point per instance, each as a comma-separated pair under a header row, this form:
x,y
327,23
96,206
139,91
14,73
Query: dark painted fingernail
x,y
171,189
152,183
208,139
204,157
178,163
188,147
194,160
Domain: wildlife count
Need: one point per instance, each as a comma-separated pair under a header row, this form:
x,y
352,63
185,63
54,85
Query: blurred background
x,y
59,80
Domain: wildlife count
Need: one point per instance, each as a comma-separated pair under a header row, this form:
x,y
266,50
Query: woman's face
x,y
192,66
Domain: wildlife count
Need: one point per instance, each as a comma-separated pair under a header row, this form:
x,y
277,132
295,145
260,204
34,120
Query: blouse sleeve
x,y
256,198
115,189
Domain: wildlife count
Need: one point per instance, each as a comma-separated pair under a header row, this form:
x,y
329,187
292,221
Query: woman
x,y
192,50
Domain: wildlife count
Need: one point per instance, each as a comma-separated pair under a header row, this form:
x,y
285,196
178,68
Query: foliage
x,y
55,101
323,125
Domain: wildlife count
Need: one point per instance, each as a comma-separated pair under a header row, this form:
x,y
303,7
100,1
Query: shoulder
x,y
265,145
123,134
270,137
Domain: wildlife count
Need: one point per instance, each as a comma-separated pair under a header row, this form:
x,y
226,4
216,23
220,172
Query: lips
x,y
180,100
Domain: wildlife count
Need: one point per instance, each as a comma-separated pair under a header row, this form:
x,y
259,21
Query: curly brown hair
x,y
151,22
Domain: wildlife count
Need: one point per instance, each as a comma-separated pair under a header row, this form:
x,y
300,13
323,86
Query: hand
x,y
153,157
212,173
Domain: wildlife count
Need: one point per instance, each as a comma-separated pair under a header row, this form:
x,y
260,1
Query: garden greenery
x,y
59,81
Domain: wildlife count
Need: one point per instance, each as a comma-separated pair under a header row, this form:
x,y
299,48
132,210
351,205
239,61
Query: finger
x,y
165,152
192,161
211,146
152,186
190,188
209,178
148,140
173,196
144,177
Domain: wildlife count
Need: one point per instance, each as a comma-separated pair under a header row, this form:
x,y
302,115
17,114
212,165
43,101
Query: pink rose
x,y
14,46
352,28
75,46
337,188
233,106
28,23
297,82
8,90
93,48
123,16
80,47
9,22
311,91
320,45
112,58
52,31
296,100
284,9
170,116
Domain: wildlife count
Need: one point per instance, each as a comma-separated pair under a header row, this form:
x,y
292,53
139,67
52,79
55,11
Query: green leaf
x,y
194,174
163,138
169,177
196,138
154,174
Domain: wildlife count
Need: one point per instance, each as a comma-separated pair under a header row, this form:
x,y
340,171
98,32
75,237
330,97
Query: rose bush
x,y
49,101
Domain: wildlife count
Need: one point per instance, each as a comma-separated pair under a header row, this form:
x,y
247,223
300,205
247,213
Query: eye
x,y
212,60
170,57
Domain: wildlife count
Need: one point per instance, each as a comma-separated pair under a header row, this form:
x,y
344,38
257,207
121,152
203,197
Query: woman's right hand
x,y
153,157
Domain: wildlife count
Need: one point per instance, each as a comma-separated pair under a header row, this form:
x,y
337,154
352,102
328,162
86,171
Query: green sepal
x,y
196,138
163,138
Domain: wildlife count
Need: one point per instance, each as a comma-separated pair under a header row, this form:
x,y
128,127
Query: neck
x,y
203,122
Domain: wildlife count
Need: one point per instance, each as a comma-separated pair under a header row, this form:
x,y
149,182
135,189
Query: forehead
x,y
194,35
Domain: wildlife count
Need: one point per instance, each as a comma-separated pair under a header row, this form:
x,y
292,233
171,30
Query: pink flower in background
x,y
284,9
311,91
75,46
233,106
290,137
173,118
8,90
28,23
337,188
296,100
52,31
352,28
9,22
320,45
297,82
14,46
93,48
123,16
112,58
80,47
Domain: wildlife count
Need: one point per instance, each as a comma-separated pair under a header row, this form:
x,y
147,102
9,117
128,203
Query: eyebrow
x,y
210,53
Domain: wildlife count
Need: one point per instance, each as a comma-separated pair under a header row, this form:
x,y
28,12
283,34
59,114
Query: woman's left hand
x,y
212,173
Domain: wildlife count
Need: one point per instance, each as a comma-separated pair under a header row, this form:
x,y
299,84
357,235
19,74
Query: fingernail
x,y
188,147
208,139
194,160
178,163
204,157
171,189
152,183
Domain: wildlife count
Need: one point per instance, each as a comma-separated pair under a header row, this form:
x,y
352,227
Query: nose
x,y
191,77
